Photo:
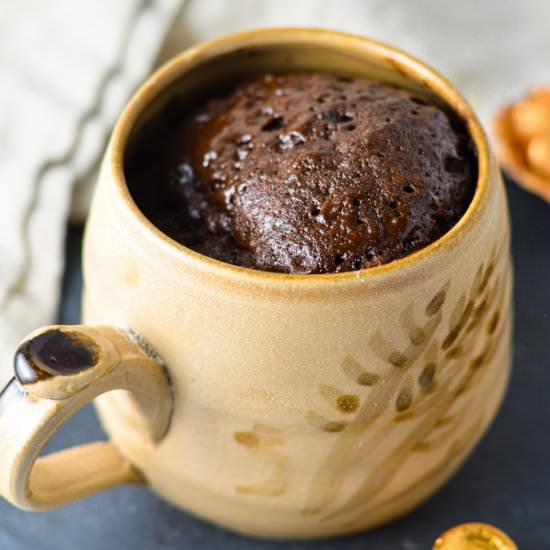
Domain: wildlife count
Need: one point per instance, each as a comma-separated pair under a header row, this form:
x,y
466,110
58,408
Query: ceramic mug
x,y
276,405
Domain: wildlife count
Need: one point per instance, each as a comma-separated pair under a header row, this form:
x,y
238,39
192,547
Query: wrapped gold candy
x,y
474,536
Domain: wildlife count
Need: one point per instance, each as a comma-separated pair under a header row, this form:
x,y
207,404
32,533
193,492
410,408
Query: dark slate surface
x,y
506,482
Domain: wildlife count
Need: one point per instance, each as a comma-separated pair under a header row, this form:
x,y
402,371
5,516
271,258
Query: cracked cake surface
x,y
304,173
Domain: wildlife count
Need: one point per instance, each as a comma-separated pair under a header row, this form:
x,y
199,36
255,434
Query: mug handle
x,y
58,370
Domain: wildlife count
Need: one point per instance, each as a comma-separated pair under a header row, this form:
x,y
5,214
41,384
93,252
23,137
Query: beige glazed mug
x,y
283,405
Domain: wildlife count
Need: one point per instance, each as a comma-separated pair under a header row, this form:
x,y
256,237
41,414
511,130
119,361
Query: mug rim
x,y
402,62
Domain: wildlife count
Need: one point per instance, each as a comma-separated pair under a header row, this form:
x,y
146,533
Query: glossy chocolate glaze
x,y
305,173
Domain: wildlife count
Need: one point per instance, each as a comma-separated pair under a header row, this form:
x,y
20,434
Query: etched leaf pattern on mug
x,y
449,349
427,385
262,443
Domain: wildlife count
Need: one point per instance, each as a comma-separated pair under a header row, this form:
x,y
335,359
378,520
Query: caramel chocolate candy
x,y
531,117
538,154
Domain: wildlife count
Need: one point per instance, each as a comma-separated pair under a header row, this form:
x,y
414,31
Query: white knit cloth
x,y
67,68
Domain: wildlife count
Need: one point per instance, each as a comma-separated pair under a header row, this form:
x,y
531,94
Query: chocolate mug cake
x,y
305,173
278,405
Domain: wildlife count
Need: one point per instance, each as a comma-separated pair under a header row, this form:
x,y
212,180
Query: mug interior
x,y
209,69
218,74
